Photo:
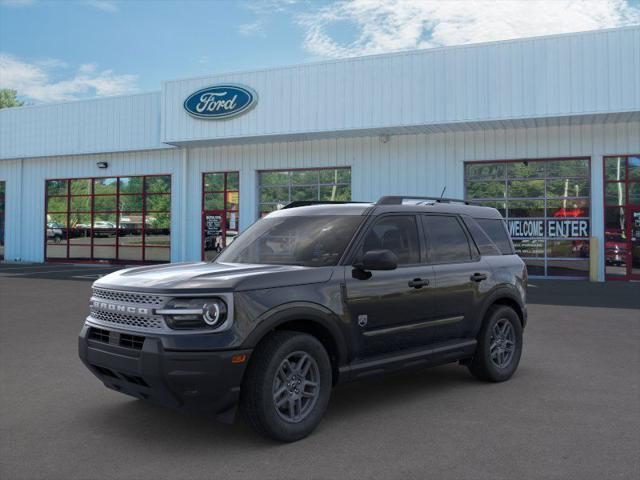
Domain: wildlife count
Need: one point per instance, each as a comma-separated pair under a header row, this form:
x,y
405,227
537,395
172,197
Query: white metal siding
x,y
547,77
11,174
419,164
25,213
91,126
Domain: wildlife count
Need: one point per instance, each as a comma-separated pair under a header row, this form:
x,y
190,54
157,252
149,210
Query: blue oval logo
x,y
220,101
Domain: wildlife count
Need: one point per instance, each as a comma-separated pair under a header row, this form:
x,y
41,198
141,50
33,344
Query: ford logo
x,y
220,101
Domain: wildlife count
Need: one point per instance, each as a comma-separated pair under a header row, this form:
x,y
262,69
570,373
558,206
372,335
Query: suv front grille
x,y
139,321
99,335
114,338
126,297
131,341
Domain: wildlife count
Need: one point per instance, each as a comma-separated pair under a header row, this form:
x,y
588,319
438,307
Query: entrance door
x,y
214,226
634,243
220,210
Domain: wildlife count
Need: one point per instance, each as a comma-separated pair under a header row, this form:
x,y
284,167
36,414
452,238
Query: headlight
x,y
194,313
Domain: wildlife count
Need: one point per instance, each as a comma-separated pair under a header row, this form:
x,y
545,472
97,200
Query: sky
x,y
59,50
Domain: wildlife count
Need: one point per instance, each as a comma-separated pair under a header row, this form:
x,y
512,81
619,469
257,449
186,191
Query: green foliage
x,y
8,98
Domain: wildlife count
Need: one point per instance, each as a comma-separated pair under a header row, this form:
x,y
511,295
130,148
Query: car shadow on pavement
x,y
351,402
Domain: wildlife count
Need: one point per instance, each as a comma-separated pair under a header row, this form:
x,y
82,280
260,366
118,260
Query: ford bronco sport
x,y
310,296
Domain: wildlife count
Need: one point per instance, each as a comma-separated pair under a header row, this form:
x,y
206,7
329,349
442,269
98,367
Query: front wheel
x,y
287,386
499,345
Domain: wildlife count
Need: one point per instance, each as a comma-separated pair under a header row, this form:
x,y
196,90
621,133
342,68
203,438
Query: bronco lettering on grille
x,y
120,308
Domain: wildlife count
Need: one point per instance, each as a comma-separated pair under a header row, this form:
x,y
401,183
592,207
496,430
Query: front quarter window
x,y
311,241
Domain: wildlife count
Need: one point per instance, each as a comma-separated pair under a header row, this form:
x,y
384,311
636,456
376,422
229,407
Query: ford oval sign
x,y
220,101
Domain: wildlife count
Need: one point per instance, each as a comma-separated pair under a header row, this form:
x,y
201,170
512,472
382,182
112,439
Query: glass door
x,y
220,211
634,240
214,233
622,217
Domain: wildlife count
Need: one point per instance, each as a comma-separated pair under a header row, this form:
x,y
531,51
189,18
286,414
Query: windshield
x,y
312,241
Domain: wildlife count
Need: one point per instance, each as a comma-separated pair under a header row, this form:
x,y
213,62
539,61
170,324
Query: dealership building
x,y
545,129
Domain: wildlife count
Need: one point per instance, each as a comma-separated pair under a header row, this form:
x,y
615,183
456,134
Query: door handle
x,y
478,277
418,282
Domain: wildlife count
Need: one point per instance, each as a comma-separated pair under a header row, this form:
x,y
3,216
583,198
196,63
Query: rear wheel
x,y
499,345
287,386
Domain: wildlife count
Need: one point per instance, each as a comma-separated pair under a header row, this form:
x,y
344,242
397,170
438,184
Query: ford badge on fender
x,y
220,101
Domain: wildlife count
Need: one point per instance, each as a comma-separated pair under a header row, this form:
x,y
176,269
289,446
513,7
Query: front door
x,y
214,224
390,310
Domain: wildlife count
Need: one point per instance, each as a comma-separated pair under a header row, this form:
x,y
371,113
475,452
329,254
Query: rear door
x,y
460,273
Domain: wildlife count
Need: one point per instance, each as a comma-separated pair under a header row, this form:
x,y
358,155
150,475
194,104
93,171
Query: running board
x,y
438,354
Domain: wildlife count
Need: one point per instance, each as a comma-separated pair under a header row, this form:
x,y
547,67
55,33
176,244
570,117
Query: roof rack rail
x,y
306,203
397,200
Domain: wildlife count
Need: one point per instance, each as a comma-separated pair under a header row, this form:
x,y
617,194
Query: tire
x,y
269,373
486,366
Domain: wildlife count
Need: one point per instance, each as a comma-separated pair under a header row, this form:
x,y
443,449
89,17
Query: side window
x,y
497,232
396,233
484,243
447,240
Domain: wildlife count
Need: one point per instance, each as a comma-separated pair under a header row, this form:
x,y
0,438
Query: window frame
x,y
117,213
3,216
225,207
289,185
474,253
627,206
546,176
360,235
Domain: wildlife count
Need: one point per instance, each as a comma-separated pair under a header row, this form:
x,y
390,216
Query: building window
x,y
2,211
279,187
220,211
547,207
622,217
118,219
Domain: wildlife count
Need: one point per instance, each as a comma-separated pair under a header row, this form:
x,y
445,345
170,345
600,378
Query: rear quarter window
x,y
485,245
497,232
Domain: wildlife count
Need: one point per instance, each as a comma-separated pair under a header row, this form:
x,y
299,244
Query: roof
x,y
552,80
368,208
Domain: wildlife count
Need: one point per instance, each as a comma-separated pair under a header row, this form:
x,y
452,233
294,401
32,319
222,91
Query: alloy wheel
x,y
296,387
502,344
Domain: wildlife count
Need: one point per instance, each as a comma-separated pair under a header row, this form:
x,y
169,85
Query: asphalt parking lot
x,y
571,411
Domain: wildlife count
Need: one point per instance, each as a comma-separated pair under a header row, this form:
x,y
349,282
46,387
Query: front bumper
x,y
204,381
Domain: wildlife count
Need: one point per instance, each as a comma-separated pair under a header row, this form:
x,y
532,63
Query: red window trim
x,y
224,192
143,246
605,206
544,259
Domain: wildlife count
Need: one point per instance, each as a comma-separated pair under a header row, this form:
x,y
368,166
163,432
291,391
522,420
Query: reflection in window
x,y
2,215
109,219
541,191
447,240
615,168
614,193
221,204
398,234
278,188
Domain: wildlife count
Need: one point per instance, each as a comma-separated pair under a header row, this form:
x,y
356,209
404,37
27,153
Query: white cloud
x,y
269,6
252,29
390,25
36,81
104,5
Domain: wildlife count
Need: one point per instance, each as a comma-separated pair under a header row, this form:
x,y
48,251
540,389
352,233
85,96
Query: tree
x,y
8,98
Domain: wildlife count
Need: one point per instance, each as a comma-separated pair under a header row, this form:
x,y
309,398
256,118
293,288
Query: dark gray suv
x,y
308,297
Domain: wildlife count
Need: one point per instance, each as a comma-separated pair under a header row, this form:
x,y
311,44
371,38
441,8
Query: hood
x,y
203,277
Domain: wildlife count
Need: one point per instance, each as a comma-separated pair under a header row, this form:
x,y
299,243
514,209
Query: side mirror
x,y
377,260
